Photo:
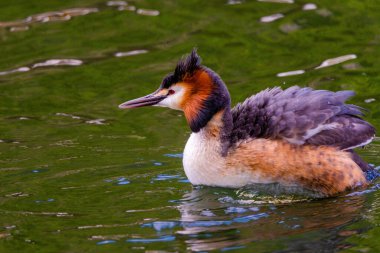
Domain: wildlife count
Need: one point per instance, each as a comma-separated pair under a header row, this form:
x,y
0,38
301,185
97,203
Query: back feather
x,y
302,116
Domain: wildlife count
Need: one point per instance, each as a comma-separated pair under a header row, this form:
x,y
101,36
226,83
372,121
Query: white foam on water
x,y
130,53
147,12
291,73
337,60
309,7
58,62
117,3
271,18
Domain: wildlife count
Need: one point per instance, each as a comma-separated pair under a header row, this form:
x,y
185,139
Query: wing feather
x,y
302,116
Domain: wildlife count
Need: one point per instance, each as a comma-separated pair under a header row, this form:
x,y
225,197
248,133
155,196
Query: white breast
x,y
204,165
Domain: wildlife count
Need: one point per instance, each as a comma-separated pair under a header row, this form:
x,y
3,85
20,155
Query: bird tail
x,y
369,170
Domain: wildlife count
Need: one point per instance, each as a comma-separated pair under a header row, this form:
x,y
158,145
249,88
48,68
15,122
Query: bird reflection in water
x,y
216,219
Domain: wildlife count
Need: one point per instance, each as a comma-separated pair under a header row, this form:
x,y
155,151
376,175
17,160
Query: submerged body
x,y
298,138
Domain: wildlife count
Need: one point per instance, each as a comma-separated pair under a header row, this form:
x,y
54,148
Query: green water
x,y
79,175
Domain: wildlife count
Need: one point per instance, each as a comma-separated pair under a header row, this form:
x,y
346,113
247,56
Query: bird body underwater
x,y
297,139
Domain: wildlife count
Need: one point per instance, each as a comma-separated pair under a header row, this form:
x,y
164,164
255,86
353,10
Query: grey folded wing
x,y
302,116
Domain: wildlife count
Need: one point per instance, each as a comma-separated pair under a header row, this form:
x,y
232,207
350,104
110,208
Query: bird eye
x,y
171,92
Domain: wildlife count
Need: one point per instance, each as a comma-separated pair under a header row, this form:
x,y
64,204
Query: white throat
x,y
202,160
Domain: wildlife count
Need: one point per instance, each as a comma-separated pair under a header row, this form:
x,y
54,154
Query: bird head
x,y
192,88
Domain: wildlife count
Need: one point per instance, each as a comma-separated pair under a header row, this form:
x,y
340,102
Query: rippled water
x,y
79,175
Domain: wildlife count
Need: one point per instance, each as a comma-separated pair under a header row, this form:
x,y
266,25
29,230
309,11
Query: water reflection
x,y
208,222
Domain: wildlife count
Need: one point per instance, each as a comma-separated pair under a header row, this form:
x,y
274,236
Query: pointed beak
x,y
147,100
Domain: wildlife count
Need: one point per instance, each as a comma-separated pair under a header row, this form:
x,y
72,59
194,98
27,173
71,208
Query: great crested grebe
x,y
297,137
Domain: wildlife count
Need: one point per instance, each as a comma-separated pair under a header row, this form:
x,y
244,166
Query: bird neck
x,y
218,129
214,107
219,126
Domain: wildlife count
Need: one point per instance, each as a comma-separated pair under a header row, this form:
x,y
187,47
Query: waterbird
x,y
295,139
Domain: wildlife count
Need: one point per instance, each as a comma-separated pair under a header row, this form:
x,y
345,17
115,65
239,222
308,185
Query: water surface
x,y
79,175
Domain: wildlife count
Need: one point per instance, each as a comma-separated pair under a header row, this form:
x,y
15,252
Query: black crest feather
x,y
186,66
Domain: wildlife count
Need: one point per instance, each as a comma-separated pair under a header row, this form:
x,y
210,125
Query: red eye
x,y
171,92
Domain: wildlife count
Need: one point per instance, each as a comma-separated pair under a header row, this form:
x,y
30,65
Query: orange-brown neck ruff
x,y
198,89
